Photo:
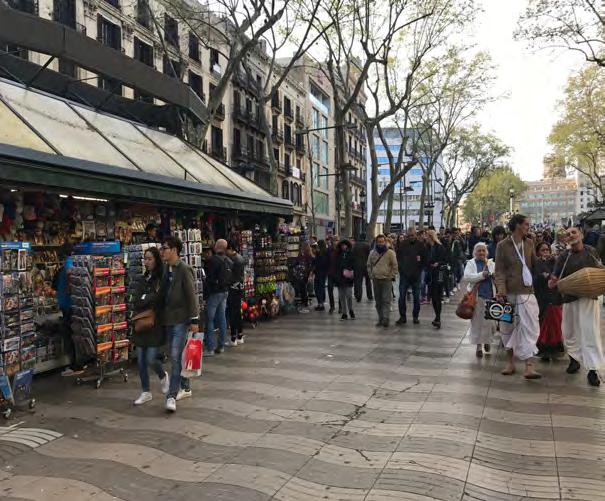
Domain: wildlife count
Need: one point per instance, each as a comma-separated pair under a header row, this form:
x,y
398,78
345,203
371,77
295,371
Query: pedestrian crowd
x,y
517,268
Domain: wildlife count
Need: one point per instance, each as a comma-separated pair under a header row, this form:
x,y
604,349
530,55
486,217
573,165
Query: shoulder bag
x,y
144,321
466,307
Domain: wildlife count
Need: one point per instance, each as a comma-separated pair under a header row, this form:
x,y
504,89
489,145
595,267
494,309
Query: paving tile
x,y
439,447
439,487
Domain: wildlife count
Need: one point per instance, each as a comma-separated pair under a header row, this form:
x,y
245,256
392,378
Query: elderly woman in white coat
x,y
478,273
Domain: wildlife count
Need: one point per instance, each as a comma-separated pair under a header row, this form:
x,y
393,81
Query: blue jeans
x,y
177,339
215,313
405,284
319,284
147,356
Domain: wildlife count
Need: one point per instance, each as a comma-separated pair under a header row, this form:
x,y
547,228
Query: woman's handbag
x,y
144,321
466,307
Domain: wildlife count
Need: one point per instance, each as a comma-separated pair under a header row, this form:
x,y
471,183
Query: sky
x,y
532,82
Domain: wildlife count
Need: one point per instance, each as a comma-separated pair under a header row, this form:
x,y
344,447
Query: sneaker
x,y
352,315
331,311
165,383
401,321
171,404
304,310
446,300
416,321
593,378
218,351
240,340
143,398
208,353
344,316
183,394
230,343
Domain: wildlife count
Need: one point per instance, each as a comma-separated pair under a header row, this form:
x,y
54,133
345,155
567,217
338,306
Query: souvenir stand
x,y
17,329
99,326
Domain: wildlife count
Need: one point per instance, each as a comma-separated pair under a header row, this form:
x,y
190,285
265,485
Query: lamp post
x,y
306,131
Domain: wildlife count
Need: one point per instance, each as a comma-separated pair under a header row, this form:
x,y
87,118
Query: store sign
x,y
98,248
295,172
15,245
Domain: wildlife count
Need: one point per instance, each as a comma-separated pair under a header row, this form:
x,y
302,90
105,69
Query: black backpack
x,y
225,274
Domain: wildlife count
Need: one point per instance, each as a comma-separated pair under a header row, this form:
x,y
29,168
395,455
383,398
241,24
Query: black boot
x,y
401,321
593,378
573,367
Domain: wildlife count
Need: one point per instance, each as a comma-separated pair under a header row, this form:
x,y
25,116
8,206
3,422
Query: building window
x,y
194,47
324,152
287,161
321,202
141,96
29,6
171,31
108,33
171,67
143,13
324,125
285,190
315,146
143,52
216,136
64,12
197,85
114,3
110,85
315,119
214,60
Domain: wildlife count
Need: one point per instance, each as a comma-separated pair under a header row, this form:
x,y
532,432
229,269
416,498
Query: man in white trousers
x,y
515,259
581,315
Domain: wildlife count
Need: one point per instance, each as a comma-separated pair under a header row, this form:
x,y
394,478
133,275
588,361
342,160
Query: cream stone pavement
x,y
311,408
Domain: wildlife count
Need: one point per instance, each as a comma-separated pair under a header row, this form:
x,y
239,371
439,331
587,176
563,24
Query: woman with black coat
x,y
437,273
345,278
147,297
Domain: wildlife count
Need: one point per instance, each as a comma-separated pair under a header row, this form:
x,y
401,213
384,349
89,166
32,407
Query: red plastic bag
x,y
192,358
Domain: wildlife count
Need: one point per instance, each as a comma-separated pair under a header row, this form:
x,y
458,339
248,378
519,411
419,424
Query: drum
x,y
587,282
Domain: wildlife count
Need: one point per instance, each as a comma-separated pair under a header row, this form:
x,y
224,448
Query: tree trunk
x,y
273,185
422,198
389,216
340,155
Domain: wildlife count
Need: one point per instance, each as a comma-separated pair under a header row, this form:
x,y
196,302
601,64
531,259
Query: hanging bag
x,y
191,361
144,321
468,303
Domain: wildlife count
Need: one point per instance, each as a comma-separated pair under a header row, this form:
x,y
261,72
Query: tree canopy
x,y
578,138
491,196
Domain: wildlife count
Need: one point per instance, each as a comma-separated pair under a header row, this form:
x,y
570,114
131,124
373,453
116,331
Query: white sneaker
x,y
171,404
183,394
230,344
165,382
143,398
241,340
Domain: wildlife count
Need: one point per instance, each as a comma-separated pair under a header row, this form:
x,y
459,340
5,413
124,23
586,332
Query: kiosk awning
x,y
49,141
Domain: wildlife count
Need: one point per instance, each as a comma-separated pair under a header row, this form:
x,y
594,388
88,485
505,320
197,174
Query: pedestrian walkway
x,y
312,408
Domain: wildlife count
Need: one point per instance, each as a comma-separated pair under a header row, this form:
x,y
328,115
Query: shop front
x,y
72,175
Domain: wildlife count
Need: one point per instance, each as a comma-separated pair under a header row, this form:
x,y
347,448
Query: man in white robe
x,y
581,325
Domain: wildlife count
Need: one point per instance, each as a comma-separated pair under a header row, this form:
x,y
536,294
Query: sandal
x,y
508,372
532,374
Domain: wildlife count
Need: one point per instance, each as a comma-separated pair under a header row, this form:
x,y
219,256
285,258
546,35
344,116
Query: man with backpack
x,y
219,278
235,296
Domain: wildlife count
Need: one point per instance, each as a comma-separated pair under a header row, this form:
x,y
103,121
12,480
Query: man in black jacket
x,y
411,257
361,251
219,277
235,296
180,314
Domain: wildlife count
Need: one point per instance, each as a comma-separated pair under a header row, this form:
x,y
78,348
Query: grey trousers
x,y
383,295
345,298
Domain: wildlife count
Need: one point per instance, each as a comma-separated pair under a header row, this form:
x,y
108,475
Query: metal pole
x,y
406,203
400,203
313,227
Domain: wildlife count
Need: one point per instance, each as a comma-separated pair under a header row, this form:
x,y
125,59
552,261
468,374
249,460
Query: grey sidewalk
x,y
313,408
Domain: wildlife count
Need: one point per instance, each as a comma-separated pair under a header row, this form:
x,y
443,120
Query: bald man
x,y
219,277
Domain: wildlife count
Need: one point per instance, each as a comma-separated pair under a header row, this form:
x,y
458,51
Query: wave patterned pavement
x,y
311,408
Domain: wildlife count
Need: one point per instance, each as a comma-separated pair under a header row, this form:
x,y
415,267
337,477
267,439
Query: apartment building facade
x,y
144,31
551,201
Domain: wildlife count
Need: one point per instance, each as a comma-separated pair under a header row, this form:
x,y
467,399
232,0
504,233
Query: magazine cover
x,y
6,394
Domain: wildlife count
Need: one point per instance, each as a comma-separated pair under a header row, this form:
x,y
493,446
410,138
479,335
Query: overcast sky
x,y
533,81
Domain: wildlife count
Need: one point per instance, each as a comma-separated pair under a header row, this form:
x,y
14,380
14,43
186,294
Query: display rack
x,y
246,243
17,328
99,326
193,255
